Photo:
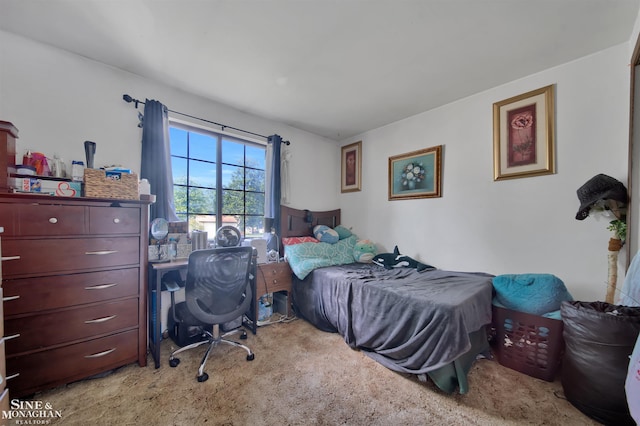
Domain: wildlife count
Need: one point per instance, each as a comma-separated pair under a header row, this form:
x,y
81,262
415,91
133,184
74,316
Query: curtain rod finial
x,y
129,99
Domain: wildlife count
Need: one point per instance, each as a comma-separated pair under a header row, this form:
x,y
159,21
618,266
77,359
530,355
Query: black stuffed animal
x,y
397,260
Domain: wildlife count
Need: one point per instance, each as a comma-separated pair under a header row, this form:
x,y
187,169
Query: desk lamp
x,y
273,253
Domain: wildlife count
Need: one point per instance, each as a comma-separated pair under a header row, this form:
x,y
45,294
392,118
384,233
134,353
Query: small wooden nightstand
x,y
273,277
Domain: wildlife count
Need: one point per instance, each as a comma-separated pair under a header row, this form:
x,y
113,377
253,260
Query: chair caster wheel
x,y
251,357
243,336
173,362
203,378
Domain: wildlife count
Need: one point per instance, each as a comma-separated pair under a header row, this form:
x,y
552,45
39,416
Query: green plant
x,y
619,228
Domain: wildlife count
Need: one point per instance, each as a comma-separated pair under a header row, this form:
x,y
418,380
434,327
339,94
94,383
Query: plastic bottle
x,y
77,171
57,167
144,188
63,169
172,248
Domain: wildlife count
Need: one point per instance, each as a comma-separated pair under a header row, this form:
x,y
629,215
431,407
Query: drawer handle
x,y
13,336
13,376
10,258
116,220
100,354
10,298
275,281
53,220
99,253
99,320
101,287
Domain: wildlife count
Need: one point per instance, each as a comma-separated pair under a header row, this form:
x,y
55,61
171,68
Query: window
x,y
218,180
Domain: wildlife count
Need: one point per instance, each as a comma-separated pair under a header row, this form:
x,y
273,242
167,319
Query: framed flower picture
x,y
523,135
351,167
417,174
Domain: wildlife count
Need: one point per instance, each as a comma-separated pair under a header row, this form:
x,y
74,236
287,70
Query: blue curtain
x,y
275,190
156,159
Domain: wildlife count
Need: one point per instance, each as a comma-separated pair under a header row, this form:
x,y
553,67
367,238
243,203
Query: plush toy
x,y
325,234
397,260
364,251
343,232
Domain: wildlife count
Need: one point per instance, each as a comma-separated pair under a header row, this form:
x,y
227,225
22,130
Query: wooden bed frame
x,y
299,223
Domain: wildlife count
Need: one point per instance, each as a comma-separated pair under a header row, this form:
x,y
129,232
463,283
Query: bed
x,y
424,323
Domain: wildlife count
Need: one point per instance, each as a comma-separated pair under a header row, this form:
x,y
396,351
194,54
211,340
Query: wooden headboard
x,y
298,223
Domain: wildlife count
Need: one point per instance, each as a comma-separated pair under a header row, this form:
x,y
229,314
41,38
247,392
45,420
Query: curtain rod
x,y
129,99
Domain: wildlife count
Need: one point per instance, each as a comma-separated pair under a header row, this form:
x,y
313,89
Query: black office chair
x,y
217,291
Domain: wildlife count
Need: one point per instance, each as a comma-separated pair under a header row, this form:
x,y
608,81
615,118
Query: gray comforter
x,y
408,321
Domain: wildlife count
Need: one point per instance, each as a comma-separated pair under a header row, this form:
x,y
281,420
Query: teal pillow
x,y
536,294
342,232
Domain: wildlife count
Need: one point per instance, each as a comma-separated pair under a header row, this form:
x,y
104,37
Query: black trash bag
x,y
599,339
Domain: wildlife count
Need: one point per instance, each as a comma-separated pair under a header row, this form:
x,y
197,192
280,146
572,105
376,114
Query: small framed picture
x,y
523,135
417,174
351,167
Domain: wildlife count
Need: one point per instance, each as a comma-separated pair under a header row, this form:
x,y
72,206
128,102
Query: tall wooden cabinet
x,y
74,283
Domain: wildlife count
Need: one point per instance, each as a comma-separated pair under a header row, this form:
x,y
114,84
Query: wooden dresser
x,y
74,283
4,396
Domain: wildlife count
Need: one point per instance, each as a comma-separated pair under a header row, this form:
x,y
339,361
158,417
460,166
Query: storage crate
x,y
98,185
527,343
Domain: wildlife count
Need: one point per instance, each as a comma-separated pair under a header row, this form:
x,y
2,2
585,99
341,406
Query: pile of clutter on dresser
x,y
45,175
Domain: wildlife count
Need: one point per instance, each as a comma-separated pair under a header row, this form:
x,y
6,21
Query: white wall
x,y
634,219
512,226
57,100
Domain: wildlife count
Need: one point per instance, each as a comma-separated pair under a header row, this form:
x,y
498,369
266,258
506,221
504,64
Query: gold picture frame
x,y
416,174
524,135
351,179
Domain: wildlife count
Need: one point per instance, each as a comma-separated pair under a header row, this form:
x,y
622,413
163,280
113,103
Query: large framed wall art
x,y
416,174
523,135
351,167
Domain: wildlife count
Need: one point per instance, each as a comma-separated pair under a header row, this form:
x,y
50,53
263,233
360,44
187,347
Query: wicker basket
x,y
97,185
527,343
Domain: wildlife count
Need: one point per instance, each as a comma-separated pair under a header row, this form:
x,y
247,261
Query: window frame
x,y
220,136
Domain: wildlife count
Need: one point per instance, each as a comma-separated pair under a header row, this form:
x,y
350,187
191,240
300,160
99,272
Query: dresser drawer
x,y
7,217
114,220
50,368
39,294
65,326
35,257
47,219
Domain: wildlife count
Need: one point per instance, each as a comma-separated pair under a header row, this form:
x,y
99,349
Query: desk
x,y
156,272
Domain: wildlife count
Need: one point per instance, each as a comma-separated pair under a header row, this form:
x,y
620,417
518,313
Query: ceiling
x,y
335,68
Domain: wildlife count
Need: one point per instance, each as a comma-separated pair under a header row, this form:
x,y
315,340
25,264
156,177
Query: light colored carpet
x,y
303,376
